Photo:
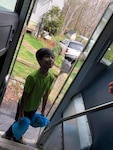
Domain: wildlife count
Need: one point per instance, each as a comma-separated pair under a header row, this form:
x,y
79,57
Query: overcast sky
x,y
59,3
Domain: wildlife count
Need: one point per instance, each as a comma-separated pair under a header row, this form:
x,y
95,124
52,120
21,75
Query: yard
x,y
26,63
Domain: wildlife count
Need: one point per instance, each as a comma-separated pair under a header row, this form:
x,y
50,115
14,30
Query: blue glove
x,y
20,127
38,120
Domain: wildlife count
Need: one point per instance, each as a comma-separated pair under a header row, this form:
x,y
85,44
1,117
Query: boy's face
x,y
47,62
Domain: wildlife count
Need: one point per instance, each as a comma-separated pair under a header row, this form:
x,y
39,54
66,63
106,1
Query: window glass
x,y
8,5
99,28
62,84
107,59
35,6
64,81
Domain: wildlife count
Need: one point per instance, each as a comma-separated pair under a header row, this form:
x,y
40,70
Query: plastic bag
x,y
20,127
38,120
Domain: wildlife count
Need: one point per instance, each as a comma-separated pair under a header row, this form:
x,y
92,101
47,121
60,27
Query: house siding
x,y
41,8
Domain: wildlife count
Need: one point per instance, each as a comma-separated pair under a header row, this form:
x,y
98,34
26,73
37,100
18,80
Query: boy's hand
x,y
42,113
19,118
111,87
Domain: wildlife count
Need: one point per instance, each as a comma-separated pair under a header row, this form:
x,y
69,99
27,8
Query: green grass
x,y
79,64
39,44
21,70
34,41
25,54
58,58
58,38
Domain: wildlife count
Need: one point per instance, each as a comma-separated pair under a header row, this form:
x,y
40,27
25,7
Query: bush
x,y
109,53
58,58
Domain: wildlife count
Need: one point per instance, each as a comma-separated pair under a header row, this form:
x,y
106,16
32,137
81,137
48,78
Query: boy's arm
x,y
22,104
45,98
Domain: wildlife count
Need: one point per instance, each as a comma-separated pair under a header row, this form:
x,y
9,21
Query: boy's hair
x,y
42,52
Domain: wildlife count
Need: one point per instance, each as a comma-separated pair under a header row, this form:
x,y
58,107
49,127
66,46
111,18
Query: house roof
x,y
70,32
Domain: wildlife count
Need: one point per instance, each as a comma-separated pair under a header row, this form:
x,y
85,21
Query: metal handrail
x,y
87,111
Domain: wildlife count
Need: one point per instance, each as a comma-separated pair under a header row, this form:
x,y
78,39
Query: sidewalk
x,y
7,118
30,137
10,145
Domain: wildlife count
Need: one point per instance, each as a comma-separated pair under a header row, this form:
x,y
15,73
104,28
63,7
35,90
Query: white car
x,y
71,49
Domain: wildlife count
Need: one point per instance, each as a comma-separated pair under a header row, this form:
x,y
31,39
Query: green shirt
x,y
37,85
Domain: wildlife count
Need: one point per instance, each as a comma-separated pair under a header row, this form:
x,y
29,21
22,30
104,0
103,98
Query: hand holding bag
x,y
38,120
20,127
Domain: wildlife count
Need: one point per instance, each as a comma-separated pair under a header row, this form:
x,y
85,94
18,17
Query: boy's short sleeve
x,y
29,84
51,86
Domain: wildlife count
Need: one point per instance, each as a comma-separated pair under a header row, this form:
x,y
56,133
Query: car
x,y
71,49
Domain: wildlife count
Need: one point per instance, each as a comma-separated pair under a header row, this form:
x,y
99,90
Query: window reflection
x,y
68,80
99,29
107,59
61,86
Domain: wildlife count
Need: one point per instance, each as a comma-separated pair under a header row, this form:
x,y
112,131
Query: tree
x,y
91,14
70,11
53,20
83,15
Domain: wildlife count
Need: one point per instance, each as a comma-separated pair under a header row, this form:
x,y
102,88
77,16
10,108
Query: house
x,y
71,34
40,8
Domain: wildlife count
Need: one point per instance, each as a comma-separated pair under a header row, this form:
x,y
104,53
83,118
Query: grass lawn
x,y
34,41
25,54
20,70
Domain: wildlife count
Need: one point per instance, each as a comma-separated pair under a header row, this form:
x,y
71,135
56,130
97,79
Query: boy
x,y
37,87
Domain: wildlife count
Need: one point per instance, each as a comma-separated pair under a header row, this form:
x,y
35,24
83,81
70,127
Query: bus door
x,y
12,18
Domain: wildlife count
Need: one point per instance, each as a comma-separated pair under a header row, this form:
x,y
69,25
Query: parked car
x,y
71,48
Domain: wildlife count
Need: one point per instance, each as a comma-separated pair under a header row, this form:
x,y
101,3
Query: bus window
x,y
99,29
8,5
107,59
